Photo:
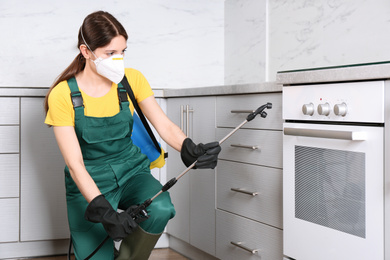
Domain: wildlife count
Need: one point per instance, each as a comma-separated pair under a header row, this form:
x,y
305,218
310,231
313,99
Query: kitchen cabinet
x,y
249,179
43,205
9,169
33,219
32,191
194,194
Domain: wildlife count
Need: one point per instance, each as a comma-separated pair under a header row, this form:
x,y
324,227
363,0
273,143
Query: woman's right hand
x,y
117,225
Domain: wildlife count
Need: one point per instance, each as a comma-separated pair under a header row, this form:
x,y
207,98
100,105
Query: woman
x,y
104,169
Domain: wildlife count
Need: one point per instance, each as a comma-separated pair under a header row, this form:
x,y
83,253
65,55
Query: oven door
x,y
333,192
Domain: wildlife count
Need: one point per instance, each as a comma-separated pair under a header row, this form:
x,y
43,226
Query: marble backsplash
x,y
263,37
245,41
197,43
320,33
175,43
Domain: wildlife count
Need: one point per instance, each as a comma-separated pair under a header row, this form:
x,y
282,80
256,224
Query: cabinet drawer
x,y
265,206
9,175
9,139
233,110
9,220
9,111
267,146
251,235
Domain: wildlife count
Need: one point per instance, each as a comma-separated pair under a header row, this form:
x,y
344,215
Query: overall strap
x,y
122,96
77,99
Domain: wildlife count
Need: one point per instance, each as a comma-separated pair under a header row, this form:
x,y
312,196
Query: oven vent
x,y
330,189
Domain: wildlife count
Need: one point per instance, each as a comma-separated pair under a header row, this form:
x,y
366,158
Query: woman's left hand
x,y
206,155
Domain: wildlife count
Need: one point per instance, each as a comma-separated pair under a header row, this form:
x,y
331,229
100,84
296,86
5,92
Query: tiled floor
x,y
157,254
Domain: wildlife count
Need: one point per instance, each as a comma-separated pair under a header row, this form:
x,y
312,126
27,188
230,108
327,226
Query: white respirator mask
x,y
112,68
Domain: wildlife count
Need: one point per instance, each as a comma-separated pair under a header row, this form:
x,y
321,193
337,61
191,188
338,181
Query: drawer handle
x,y
252,193
252,147
242,111
239,244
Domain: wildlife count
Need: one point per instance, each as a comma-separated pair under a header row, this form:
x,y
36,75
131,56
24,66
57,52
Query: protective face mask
x,y
113,68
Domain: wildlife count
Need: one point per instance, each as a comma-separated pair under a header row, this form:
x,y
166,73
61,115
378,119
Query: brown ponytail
x,y
98,30
75,67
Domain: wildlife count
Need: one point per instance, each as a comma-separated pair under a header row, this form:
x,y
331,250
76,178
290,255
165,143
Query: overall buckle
x,y
122,94
77,99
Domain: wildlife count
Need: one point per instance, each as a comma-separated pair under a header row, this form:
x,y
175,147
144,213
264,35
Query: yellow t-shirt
x,y
61,112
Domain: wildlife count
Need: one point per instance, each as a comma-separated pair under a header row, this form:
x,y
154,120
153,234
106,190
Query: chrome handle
x,y
330,134
188,110
252,147
239,244
188,120
242,111
182,118
252,193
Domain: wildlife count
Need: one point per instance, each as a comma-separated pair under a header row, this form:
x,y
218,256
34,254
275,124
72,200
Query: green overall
x,y
120,171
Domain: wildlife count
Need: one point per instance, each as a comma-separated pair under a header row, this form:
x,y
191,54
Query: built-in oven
x,y
333,171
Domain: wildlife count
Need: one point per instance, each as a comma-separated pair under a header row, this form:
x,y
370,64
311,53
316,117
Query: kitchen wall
x,y
195,43
263,37
245,41
175,43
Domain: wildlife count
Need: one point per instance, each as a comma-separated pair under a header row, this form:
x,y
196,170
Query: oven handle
x,y
330,134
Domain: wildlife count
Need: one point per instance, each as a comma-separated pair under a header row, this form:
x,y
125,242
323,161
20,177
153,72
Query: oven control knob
x,y
308,109
340,109
323,109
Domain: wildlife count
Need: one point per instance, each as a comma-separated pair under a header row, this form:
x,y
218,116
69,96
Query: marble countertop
x,y
224,90
23,92
355,72
164,93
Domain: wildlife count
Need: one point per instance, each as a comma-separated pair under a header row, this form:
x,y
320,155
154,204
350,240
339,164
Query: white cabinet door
x,y
9,175
202,181
194,194
9,220
179,226
43,205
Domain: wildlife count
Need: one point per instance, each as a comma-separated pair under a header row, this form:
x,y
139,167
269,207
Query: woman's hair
x,y
98,29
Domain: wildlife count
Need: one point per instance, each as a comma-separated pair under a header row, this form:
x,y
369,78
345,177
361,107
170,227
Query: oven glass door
x,y
333,192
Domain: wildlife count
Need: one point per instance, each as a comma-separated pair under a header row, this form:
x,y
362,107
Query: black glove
x,y
117,225
206,154
140,216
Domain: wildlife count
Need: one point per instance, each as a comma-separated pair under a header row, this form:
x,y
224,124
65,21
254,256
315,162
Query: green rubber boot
x,y
138,245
